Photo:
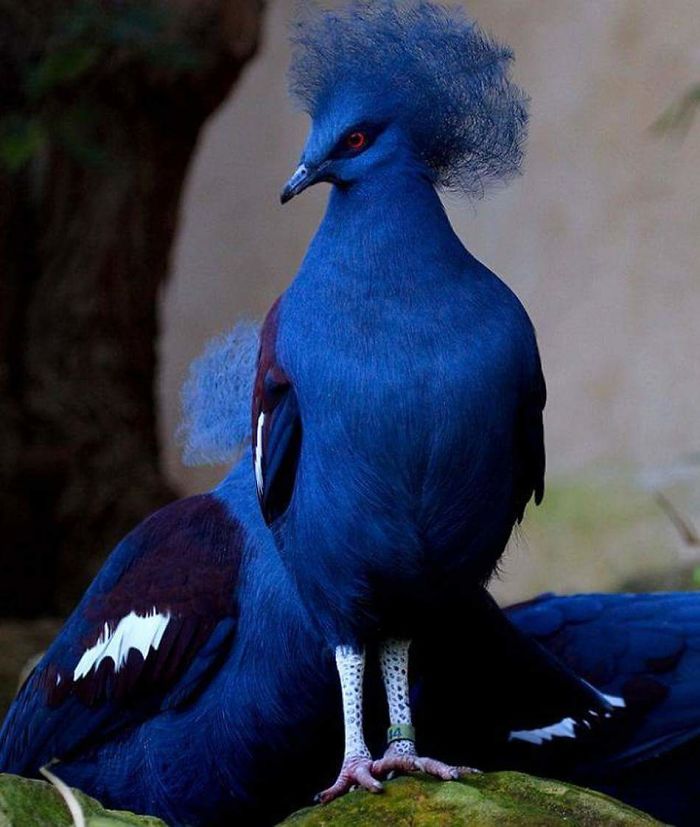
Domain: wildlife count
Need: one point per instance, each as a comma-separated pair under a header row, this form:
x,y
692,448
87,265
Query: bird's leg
x,y
401,755
357,762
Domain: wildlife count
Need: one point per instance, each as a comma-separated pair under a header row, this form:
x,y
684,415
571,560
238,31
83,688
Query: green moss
x,y
27,803
503,799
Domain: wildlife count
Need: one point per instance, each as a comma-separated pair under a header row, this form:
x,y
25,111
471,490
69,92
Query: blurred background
x,y
142,149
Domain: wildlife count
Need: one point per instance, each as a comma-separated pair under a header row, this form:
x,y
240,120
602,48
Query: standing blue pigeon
x,y
397,411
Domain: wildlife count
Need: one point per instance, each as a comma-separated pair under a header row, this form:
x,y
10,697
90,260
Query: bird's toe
x,y
394,764
467,771
439,769
407,763
355,772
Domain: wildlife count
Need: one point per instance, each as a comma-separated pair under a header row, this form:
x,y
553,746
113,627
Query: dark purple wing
x,y
276,426
149,632
645,648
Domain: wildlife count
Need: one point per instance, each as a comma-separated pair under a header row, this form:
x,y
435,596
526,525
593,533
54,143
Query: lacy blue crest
x,y
426,66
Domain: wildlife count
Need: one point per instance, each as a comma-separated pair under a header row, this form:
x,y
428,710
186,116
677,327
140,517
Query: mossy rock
x,y
28,803
498,799
504,799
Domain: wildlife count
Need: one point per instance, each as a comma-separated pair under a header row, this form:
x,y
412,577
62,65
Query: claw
x,y
355,772
392,763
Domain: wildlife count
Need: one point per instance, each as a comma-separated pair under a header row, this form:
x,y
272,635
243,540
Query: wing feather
x,y
276,426
530,453
150,630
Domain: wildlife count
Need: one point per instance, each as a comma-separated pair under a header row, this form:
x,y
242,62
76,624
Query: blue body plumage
x,y
397,420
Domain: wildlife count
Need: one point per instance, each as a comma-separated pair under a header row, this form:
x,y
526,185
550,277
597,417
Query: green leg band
x,y
400,732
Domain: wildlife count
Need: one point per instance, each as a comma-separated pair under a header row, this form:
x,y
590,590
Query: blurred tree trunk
x,y
101,107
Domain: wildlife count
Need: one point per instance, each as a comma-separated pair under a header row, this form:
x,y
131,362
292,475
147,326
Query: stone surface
x,y
503,799
27,803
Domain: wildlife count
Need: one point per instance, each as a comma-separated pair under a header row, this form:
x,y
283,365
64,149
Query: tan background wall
x,y
600,237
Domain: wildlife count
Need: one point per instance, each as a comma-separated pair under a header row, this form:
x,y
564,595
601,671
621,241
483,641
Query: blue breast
x,y
409,360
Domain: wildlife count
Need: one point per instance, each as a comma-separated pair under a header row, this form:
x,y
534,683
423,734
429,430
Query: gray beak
x,y
297,183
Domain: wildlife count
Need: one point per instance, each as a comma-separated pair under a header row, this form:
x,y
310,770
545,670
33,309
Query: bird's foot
x,y
355,772
401,757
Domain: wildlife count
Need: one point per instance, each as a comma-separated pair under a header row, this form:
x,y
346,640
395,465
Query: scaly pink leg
x,y
357,763
401,755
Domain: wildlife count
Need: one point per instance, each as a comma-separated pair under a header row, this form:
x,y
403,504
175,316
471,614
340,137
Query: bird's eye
x,y
356,140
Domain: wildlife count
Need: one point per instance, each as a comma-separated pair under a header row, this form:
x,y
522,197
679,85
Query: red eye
x,y
356,140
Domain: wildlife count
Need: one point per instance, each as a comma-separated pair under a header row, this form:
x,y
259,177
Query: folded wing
x,y
149,632
276,426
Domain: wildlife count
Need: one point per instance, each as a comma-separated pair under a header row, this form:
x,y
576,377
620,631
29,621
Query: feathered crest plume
x,y
426,65
216,397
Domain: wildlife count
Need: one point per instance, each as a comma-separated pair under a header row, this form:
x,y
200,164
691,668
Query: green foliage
x,y
21,137
86,47
680,115
61,67
91,36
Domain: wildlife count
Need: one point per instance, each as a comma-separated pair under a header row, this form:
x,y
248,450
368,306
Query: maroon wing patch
x,y
276,425
163,605
153,629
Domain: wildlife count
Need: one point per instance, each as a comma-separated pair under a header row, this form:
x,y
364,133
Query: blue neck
x,y
390,226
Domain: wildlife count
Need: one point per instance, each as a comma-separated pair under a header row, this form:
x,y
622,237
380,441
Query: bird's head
x,y
346,146
397,85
